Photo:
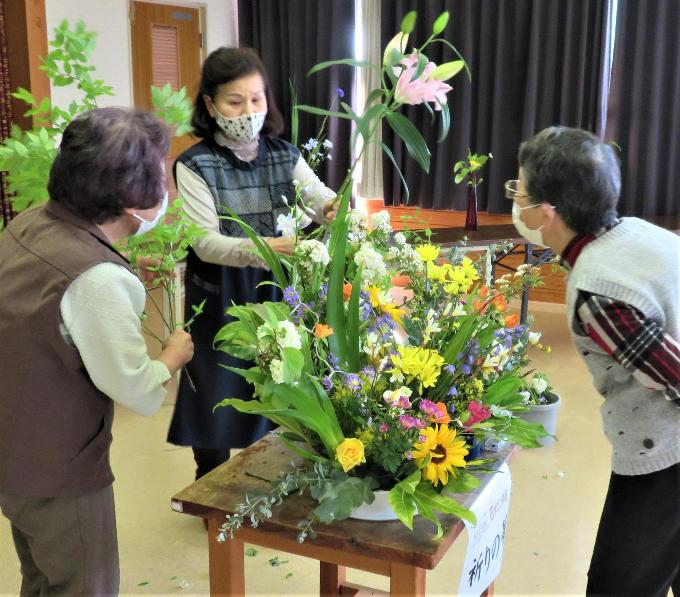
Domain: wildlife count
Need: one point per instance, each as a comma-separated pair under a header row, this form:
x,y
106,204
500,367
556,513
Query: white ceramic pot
x,y
546,415
380,509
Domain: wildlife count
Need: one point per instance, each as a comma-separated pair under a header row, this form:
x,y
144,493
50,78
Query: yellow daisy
x,y
446,454
428,252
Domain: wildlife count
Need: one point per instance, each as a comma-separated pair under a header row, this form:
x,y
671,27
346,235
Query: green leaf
x,y
322,112
445,71
251,552
335,311
440,23
353,341
348,61
388,153
268,254
445,123
409,22
401,498
427,498
415,144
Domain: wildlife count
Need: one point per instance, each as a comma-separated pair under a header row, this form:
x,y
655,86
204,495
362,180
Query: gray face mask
x,y
534,236
147,225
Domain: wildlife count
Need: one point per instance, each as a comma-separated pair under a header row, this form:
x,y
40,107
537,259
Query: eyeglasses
x,y
511,191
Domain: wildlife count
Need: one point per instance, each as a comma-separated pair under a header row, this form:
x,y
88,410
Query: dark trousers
x,y
208,459
637,550
65,545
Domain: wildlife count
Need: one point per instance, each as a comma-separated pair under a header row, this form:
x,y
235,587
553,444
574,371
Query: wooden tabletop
x,y
485,234
494,233
218,493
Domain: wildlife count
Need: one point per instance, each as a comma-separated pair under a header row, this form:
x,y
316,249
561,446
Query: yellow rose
x,y
350,453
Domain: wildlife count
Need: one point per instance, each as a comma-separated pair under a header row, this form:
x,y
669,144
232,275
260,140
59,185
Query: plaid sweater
x,y
625,321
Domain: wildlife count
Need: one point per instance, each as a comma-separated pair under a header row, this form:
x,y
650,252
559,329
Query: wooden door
x,y
166,48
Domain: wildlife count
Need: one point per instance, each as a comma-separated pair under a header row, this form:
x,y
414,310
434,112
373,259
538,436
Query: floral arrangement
x,y
387,355
538,390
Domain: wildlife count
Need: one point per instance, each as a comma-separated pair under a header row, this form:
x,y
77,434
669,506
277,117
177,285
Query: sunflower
x,y
446,454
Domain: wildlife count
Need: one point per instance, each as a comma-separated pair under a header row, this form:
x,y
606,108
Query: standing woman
x,y
72,344
241,166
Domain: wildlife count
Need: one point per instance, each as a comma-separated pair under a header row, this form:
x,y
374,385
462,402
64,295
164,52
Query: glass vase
x,y
471,214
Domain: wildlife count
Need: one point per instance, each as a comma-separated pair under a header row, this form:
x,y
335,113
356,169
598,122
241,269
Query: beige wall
x,y
109,18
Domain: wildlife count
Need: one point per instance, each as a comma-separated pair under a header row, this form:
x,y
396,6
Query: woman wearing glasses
x,y
623,306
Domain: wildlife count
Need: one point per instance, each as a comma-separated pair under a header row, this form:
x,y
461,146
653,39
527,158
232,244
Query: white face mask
x,y
535,237
241,128
147,225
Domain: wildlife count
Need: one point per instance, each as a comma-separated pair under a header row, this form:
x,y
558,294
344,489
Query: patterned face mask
x,y
241,128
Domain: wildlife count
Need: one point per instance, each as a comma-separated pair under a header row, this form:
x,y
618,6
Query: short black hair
x,y
225,65
110,159
576,172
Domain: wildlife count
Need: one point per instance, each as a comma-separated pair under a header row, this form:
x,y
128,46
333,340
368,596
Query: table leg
x,y
488,592
227,577
406,581
331,577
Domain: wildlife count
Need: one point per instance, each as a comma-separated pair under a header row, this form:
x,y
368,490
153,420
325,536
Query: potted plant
x,y
542,403
468,170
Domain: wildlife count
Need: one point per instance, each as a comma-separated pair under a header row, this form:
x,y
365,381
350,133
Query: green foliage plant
x,y
27,156
468,169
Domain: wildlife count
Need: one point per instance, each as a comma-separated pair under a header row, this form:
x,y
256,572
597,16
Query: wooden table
x,y
386,548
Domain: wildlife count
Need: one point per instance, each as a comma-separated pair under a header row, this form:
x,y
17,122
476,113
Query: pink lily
x,y
422,89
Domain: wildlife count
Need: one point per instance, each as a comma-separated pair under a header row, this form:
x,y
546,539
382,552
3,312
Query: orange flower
x,y
321,330
484,292
346,291
443,417
500,303
401,281
511,321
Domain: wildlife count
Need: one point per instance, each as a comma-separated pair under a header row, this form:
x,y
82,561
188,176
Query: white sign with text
x,y
485,540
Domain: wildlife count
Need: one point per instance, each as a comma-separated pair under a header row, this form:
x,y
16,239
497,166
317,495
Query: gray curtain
x,y
534,63
291,36
644,106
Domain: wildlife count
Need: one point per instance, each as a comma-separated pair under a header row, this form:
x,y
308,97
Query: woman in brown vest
x,y
72,345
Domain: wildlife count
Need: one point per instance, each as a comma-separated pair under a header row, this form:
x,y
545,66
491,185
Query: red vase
x,y
471,214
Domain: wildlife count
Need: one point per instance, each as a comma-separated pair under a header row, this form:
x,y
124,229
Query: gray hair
x,y
574,171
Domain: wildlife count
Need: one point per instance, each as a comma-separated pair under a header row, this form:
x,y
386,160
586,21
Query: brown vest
x,y
55,425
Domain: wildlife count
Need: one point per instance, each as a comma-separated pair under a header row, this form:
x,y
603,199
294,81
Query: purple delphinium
x,y
340,92
327,383
290,296
323,291
353,382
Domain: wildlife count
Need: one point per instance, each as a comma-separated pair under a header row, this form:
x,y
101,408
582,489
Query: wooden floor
x,y
551,292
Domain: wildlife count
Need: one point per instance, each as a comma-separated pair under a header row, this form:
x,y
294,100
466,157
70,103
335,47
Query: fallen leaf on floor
x,y
173,578
289,575
141,584
276,562
251,552
544,477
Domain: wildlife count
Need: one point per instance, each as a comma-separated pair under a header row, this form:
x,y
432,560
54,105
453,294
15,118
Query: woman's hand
x,y
330,209
145,274
177,351
283,245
